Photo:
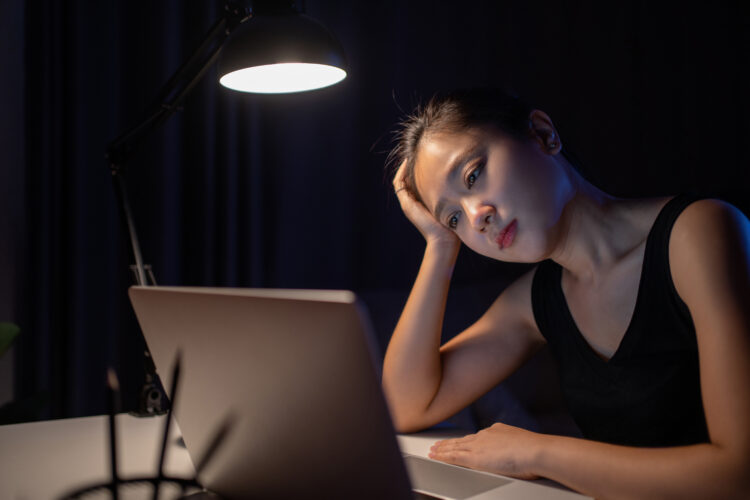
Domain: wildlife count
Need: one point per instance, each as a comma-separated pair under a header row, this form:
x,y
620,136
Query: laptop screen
x,y
295,372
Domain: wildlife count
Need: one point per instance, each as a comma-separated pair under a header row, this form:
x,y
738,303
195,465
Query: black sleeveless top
x,y
648,393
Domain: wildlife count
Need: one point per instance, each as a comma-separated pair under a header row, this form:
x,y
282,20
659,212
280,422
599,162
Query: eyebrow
x,y
461,160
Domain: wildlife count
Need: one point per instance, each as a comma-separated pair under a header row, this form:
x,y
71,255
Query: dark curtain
x,y
290,191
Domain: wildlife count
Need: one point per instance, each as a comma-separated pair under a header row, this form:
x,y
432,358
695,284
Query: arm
x,y
710,262
425,383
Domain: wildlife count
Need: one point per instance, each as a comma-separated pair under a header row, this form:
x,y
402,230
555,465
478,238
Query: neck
x,y
594,231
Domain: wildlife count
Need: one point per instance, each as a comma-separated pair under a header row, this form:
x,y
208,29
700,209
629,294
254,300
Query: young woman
x,y
645,304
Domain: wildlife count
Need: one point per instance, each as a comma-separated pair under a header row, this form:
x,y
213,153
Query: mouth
x,y
506,236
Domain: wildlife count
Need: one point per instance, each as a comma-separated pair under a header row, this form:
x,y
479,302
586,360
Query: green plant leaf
x,y
8,333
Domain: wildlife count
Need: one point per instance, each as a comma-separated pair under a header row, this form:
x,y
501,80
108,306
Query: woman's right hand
x,y
417,213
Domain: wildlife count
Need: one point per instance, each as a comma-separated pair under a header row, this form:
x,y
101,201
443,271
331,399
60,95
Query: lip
x,y
507,235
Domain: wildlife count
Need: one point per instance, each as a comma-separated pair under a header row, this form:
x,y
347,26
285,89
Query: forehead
x,y
437,152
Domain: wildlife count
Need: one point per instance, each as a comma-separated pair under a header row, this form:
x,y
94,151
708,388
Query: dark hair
x,y
457,111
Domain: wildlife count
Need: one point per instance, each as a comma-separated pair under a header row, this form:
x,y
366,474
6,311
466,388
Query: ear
x,y
544,132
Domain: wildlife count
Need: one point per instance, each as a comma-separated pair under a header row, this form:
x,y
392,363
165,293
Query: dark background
x,y
290,191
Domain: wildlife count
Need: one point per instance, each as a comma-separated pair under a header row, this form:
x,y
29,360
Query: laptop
x,y
296,373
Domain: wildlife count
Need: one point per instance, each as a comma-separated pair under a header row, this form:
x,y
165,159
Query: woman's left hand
x,y
501,449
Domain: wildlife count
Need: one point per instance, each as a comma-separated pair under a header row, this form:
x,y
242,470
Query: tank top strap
x,y
658,238
547,304
656,268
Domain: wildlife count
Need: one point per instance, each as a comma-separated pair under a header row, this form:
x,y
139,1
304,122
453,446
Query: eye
x,y
453,220
473,174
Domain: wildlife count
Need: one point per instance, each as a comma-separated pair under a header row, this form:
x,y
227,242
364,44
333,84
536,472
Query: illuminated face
x,y
502,196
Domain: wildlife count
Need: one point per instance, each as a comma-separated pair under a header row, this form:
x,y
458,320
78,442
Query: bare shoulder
x,y
709,247
707,226
707,213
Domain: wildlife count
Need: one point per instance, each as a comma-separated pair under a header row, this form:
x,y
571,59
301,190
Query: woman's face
x,y
502,196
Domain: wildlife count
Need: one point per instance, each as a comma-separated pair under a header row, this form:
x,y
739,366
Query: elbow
x,y
403,417
739,488
735,482
406,418
411,409
404,425
743,476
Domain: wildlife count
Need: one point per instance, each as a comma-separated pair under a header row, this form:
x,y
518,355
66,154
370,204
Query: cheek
x,y
477,242
547,188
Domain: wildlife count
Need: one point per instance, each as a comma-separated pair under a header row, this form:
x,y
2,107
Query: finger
x,y
463,439
455,457
409,205
452,445
443,443
403,193
407,199
443,451
398,179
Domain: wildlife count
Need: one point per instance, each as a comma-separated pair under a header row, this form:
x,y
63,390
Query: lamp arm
x,y
119,150
180,83
127,214
169,98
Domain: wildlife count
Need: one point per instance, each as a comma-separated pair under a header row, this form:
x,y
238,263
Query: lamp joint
x,y
235,13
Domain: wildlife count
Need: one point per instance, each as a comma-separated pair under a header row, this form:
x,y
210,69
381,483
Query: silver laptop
x,y
296,373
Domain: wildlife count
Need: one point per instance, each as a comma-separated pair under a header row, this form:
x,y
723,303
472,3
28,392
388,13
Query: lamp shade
x,y
280,53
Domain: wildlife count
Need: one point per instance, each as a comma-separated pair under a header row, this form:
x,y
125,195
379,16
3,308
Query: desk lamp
x,y
270,48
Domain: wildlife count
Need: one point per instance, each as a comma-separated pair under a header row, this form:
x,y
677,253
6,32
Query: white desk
x,y
45,460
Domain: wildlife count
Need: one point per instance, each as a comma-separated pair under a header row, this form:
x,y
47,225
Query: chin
x,y
516,259
510,254
524,251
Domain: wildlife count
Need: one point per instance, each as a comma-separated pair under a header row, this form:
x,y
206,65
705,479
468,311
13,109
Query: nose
x,y
480,214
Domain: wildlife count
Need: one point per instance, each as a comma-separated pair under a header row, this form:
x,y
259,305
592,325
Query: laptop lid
x,y
295,371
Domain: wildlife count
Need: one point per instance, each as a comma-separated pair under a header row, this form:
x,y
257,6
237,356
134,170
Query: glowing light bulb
x,y
283,78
